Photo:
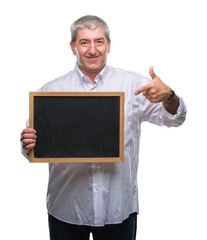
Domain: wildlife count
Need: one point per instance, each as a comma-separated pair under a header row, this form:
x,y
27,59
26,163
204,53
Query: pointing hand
x,y
156,91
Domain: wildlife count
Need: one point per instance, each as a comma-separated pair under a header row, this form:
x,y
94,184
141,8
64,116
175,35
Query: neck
x,y
90,74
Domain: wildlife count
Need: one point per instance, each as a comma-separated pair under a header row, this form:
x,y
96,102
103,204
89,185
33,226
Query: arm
x,y
172,107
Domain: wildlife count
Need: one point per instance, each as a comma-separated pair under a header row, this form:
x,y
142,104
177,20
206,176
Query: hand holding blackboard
x,y
28,139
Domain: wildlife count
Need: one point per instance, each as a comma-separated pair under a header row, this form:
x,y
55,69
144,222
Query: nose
x,y
92,48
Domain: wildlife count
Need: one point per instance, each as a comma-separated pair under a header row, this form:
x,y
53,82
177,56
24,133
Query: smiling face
x,y
91,48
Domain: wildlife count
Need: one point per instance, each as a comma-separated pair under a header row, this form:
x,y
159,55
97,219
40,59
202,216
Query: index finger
x,y
28,130
142,89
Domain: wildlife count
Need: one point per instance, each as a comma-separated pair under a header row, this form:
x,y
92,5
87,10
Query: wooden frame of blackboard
x,y
87,95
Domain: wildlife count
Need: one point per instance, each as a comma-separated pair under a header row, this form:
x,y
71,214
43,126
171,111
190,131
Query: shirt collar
x,y
84,78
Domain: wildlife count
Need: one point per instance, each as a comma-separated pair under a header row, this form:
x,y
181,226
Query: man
x,y
102,198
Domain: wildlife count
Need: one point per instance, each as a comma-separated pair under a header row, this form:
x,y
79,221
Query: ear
x,y
109,46
72,48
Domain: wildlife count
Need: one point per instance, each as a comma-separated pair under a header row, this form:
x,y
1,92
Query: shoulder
x,y
127,75
57,83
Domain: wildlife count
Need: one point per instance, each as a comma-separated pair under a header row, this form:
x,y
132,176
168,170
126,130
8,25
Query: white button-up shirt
x,y
96,194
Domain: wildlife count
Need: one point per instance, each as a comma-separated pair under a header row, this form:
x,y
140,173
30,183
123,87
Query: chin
x,y
94,68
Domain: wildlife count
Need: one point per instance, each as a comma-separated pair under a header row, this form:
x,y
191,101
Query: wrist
x,y
171,97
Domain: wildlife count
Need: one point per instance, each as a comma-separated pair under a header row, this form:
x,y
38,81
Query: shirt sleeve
x,y
176,120
25,154
157,114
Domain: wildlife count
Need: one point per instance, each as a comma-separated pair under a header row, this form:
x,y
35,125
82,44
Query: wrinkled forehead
x,y
91,34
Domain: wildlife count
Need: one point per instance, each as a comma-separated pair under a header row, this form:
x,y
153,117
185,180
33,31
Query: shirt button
x,y
96,188
95,167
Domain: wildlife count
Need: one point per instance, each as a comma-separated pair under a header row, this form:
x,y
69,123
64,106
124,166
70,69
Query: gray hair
x,y
90,22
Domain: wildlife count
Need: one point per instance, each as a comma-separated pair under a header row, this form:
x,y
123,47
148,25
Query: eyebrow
x,y
85,39
100,39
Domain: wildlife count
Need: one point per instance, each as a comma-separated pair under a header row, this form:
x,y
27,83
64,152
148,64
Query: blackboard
x,y
77,126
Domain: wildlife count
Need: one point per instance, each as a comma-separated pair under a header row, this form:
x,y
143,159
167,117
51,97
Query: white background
x,y
171,36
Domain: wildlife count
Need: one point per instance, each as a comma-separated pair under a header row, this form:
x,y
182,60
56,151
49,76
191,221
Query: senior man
x,y
102,198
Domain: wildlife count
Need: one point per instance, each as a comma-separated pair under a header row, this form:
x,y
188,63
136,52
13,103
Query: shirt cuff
x,y
177,119
25,154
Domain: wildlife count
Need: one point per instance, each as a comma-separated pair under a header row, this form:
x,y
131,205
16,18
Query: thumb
x,y
151,72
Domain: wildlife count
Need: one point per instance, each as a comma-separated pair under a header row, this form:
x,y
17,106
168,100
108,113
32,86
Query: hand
x,y
28,139
156,91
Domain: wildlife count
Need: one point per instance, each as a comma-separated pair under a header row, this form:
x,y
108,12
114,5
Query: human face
x,y
91,48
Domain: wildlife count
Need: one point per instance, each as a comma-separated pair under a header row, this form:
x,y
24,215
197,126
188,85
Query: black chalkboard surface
x,y
77,126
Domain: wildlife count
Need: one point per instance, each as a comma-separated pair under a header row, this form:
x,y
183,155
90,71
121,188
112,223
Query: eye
x,y
84,43
99,42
